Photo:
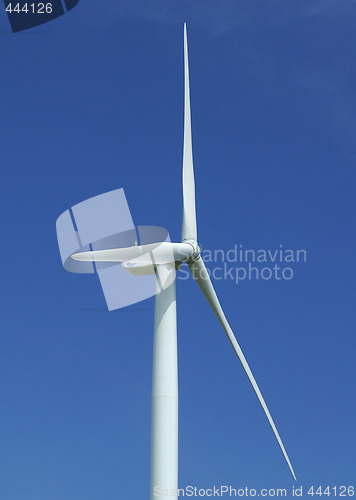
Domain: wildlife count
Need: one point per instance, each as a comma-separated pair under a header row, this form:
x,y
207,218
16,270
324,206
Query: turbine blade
x,y
201,276
189,227
110,255
158,253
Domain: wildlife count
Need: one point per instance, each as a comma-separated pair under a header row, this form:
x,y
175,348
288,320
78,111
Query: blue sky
x,y
92,102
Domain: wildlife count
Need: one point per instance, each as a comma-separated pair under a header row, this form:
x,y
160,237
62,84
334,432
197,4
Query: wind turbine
x,y
163,259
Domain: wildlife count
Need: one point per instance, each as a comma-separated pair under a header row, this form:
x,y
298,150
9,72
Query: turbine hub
x,y
196,250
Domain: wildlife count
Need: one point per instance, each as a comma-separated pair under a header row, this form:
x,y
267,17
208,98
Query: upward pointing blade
x,y
201,276
189,227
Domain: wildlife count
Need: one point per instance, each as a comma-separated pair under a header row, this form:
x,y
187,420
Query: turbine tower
x,y
163,259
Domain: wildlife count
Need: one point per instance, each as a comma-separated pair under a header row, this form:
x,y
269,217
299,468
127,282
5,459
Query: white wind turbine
x,y
163,259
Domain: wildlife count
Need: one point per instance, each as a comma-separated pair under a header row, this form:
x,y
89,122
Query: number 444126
x,y
32,8
341,491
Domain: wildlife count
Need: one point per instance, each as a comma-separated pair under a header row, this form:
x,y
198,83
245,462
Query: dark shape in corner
x,y
24,15
70,4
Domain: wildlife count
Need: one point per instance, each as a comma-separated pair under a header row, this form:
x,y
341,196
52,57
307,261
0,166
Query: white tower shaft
x,y
164,422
